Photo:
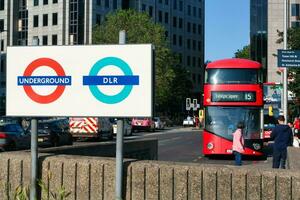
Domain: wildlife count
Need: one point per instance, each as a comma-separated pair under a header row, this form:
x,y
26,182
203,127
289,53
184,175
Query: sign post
x,y
120,141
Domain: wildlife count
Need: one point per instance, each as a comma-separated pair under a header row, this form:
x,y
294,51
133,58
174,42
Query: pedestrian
x,y
297,126
238,143
283,137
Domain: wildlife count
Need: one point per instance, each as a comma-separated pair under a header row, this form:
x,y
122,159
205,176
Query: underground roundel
x,y
93,80
60,81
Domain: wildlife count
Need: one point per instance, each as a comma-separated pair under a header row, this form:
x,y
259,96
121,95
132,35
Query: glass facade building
x,y
259,33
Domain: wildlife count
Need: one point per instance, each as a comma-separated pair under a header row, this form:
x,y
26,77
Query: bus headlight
x,y
210,146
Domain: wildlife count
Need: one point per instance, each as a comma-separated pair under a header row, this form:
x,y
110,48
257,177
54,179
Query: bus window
x,y
232,76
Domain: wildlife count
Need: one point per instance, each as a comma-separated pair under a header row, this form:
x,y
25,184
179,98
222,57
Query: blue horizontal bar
x,y
44,80
110,80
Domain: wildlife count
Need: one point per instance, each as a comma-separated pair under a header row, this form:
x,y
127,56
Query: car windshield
x,y
222,121
11,128
232,76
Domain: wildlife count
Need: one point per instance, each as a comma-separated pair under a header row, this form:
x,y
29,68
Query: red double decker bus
x,y
233,92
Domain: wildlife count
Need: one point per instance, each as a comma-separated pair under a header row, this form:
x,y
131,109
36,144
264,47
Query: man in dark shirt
x,y
283,137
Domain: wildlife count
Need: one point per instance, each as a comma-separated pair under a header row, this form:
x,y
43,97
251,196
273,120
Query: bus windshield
x,y
232,76
222,121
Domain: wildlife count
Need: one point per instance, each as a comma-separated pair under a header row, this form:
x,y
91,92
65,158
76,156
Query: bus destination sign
x,y
233,96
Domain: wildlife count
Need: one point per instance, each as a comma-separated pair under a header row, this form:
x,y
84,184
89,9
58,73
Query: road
x,y
185,145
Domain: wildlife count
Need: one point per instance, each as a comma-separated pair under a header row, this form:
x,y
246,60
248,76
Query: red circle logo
x,y
44,99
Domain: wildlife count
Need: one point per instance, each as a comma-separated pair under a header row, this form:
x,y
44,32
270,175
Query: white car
x,y
127,127
188,121
158,123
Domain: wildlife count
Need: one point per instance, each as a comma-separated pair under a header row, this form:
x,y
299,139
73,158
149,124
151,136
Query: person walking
x,y
283,137
238,143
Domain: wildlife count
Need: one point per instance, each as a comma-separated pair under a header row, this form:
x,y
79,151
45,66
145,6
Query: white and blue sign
x,y
80,81
128,80
288,58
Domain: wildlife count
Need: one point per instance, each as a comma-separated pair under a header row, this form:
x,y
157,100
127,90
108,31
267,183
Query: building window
x,y
2,45
167,2
166,18
188,27
54,1
188,61
98,2
1,4
54,19
199,13
45,20
174,22
160,16
180,57
295,9
189,10
194,44
194,61
143,7
181,5
194,28
180,40
180,22
295,24
106,3
150,11
54,39
167,34
1,25
35,41
160,1
174,4
199,62
45,2
115,4
194,11
35,21
199,46
188,42
45,40
174,39
199,78
199,29
98,19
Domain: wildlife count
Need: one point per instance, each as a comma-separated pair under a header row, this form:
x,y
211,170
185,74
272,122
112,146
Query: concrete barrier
x,y
89,178
293,159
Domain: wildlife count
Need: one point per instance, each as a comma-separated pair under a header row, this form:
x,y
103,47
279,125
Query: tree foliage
x,y
140,29
243,53
293,42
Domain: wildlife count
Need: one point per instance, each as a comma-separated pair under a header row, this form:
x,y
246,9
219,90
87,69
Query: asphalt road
x,y
185,145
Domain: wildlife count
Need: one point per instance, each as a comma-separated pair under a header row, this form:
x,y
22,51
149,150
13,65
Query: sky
x,y
227,27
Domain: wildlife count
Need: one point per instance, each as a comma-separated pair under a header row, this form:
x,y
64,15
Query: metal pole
x,y
285,71
119,145
34,150
34,158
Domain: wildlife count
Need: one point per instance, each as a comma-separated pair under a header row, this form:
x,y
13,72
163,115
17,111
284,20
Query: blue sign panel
x,y
288,58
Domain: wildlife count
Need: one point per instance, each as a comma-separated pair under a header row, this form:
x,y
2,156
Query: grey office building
x,y
266,21
70,22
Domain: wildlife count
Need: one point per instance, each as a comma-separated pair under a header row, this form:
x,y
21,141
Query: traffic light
x,y
188,103
195,106
270,111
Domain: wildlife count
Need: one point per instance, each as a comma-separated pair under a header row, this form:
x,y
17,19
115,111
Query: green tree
x,y
141,29
243,53
293,42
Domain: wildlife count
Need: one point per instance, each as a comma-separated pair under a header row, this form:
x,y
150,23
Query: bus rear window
x,y
232,76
